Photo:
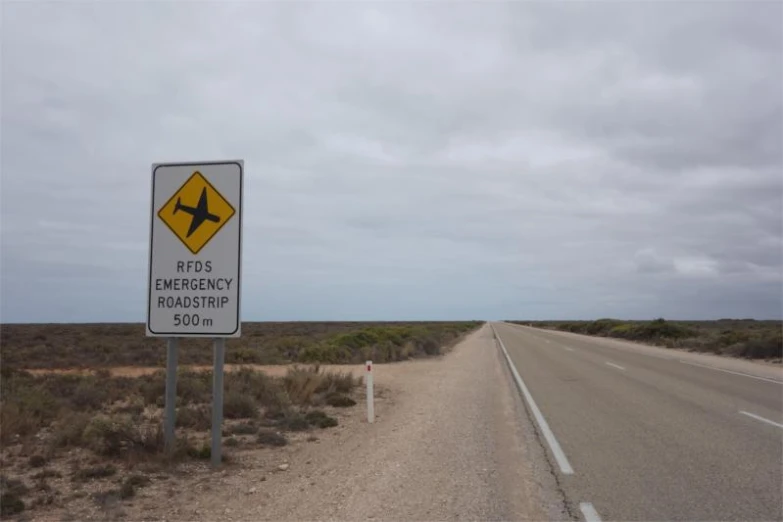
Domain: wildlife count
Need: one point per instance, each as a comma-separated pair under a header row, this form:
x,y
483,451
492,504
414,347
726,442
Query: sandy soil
x,y
446,445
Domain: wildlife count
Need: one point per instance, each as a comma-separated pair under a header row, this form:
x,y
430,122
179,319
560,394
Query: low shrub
x,y
202,453
10,504
131,484
195,417
295,422
271,438
138,481
13,486
320,419
95,472
70,431
104,345
237,405
736,337
113,436
47,473
26,408
339,400
127,491
302,383
305,385
342,382
759,348
265,391
243,428
37,461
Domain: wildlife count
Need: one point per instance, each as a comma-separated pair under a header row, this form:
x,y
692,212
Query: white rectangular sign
x,y
195,249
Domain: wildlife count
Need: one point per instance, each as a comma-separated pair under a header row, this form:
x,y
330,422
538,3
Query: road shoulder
x,y
447,443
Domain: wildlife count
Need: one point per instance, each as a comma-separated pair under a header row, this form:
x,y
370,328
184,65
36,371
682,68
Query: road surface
x,y
636,434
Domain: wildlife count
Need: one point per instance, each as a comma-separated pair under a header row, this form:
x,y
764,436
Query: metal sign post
x,y
195,269
217,400
171,393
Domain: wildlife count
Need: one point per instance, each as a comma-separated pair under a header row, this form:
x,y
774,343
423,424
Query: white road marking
x,y
614,344
562,461
762,419
591,515
615,365
729,371
611,343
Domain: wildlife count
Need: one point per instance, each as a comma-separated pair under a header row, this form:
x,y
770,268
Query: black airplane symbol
x,y
200,213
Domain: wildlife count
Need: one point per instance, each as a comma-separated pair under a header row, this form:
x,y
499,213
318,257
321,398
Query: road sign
x,y
192,229
195,249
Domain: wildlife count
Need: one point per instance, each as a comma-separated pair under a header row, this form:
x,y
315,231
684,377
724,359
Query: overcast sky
x,y
404,160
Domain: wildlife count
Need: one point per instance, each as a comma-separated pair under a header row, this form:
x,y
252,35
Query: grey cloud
x,y
404,161
647,261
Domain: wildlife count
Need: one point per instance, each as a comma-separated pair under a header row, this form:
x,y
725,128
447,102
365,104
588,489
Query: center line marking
x,y
762,419
615,365
591,515
557,451
729,371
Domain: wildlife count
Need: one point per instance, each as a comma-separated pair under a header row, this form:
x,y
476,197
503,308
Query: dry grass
x,y
309,385
90,346
115,424
74,418
746,338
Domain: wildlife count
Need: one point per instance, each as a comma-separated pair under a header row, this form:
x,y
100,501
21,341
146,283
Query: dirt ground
x,y
445,444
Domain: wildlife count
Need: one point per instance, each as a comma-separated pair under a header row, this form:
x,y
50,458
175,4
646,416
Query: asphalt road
x,y
633,435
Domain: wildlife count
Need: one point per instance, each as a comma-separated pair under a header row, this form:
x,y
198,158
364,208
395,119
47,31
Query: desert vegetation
x,y
70,435
746,338
67,435
40,346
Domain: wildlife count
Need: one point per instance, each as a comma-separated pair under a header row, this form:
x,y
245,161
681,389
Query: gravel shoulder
x,y
447,444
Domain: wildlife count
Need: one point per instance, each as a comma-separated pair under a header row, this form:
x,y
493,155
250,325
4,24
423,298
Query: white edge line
x,y
615,365
591,515
560,457
762,419
729,371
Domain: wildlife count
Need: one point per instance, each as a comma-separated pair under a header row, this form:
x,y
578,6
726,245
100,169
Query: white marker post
x,y
370,398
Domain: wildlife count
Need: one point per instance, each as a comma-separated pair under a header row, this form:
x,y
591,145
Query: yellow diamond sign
x,y
196,212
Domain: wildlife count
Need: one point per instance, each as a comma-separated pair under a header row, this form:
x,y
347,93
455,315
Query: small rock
x,y
228,511
283,467
251,491
263,478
